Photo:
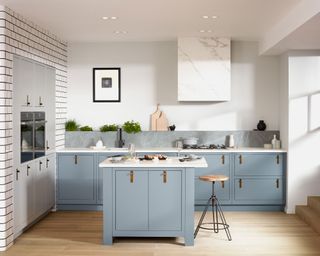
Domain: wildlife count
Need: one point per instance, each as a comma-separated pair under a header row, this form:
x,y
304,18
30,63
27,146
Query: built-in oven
x,y
33,126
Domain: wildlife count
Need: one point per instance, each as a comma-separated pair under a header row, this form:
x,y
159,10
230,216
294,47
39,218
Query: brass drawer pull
x,y
222,183
164,176
131,176
40,164
28,168
278,159
47,163
40,101
240,183
277,183
240,159
75,159
28,101
222,159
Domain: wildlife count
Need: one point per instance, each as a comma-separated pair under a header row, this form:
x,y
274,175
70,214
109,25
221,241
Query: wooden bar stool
x,y
218,220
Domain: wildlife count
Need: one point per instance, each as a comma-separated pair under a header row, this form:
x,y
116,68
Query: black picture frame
x,y
106,83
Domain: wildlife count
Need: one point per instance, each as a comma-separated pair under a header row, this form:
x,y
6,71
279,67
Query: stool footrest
x,y
220,226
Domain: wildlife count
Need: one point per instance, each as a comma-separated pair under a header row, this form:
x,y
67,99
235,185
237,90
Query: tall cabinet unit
x,y
34,180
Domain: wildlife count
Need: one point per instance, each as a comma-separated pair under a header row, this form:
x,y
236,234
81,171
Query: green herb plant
x,y
108,128
131,127
71,126
86,128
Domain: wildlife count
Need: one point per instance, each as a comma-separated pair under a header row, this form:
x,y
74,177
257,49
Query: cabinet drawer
x,y
258,164
259,190
217,164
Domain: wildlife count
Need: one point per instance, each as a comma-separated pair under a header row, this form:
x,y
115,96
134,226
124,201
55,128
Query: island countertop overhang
x,y
171,162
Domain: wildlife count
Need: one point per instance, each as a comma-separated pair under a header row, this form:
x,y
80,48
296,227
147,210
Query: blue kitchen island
x,y
149,198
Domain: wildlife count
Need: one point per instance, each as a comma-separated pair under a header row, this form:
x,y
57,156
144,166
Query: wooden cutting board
x,y
162,122
154,117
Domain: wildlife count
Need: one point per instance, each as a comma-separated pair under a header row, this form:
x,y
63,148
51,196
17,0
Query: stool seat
x,y
212,178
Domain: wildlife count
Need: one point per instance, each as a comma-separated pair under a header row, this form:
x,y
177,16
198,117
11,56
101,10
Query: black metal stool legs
x,y
216,214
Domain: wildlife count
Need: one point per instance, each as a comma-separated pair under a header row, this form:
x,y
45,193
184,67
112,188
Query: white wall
x,y
149,76
303,127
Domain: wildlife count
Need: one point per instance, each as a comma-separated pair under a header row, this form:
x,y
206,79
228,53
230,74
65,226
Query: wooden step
x,y
310,216
314,203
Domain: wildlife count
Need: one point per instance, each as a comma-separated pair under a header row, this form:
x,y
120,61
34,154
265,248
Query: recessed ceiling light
x,y
209,31
120,32
202,31
205,17
114,17
105,18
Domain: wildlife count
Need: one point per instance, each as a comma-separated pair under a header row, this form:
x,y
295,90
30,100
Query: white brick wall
x,y
22,37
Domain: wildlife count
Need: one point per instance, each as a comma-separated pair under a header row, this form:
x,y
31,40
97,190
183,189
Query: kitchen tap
x,y
120,141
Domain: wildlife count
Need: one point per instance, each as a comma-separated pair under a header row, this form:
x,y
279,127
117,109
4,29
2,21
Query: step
x,y
314,203
310,216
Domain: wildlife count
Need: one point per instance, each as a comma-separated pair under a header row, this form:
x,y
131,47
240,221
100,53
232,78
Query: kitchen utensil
x,y
154,116
162,122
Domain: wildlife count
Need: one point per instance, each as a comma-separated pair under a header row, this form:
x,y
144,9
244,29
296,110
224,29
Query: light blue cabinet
x,y
217,164
131,197
258,164
266,190
259,179
148,202
76,179
165,200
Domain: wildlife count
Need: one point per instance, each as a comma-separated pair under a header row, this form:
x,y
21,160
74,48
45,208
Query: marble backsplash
x,y
151,139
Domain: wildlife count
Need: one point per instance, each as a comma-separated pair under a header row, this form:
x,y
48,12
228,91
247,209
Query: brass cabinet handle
x,y
47,145
131,176
222,159
28,101
222,183
40,101
17,174
28,167
40,164
240,159
75,159
164,176
240,183
47,163
278,159
277,183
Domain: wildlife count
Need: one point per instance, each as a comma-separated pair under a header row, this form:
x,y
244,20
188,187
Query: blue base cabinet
x,y
256,181
217,164
259,179
148,202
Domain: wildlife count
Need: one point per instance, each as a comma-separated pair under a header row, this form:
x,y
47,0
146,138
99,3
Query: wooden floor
x,y
80,233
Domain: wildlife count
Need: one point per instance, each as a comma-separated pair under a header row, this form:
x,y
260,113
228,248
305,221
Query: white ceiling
x,y
153,20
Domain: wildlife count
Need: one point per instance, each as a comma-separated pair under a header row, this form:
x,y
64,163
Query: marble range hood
x,y
204,69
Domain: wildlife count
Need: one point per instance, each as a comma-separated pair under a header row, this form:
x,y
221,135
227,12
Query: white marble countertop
x,y
171,162
171,150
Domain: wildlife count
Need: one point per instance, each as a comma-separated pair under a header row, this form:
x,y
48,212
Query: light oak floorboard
x,y
254,233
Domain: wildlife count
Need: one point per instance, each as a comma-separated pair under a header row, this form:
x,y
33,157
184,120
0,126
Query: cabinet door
x,y
131,197
76,179
165,200
50,169
40,186
39,84
258,164
217,164
265,190
23,81
21,206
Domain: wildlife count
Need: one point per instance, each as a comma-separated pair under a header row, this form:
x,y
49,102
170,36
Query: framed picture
x,y
106,85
